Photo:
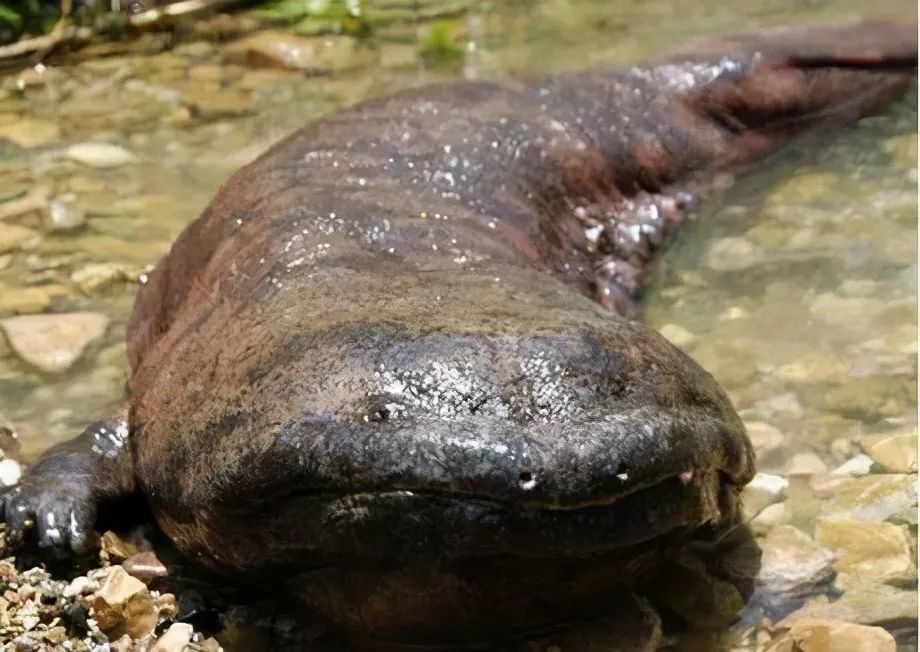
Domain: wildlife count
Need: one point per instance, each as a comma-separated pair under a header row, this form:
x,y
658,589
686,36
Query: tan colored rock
x,y
806,463
733,253
764,436
24,300
866,604
818,635
30,132
122,605
117,548
100,155
36,199
875,497
894,453
13,237
175,639
770,518
814,367
876,552
98,277
53,342
315,55
762,491
678,335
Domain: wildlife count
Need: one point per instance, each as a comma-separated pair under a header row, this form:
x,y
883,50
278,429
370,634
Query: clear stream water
x,y
796,288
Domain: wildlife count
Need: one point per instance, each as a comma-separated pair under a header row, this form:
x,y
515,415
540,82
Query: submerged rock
x,y
893,453
272,48
793,564
29,132
100,155
678,335
53,342
12,237
871,498
733,253
821,635
762,491
869,552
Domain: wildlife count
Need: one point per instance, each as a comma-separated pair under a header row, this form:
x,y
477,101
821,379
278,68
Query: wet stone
x,y
13,237
28,132
175,639
762,491
903,150
793,564
764,436
122,605
822,635
24,300
100,155
869,552
272,48
100,277
733,253
867,604
858,465
10,472
771,517
678,336
893,453
53,342
806,463
879,497
64,214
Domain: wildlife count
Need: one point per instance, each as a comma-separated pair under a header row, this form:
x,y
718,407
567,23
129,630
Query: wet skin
x,y
389,367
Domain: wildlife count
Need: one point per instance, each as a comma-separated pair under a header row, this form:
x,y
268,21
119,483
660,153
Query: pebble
x,y
764,436
64,214
122,605
53,342
772,516
100,155
875,552
893,453
10,472
24,300
733,253
793,564
858,465
806,463
762,491
13,237
678,335
99,277
822,635
30,132
875,497
278,49
175,639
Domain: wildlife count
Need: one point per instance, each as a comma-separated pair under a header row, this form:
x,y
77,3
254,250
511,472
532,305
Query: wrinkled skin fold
x,y
390,369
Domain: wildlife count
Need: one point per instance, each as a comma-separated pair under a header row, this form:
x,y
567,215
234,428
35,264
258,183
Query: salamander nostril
x,y
622,472
527,480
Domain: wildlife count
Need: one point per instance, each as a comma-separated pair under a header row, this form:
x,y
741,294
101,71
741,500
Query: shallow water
x,y
796,288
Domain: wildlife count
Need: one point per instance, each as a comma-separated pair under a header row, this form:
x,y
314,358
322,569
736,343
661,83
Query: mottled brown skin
x,y
384,367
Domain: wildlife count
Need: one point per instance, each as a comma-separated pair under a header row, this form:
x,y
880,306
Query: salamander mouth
x,y
394,525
